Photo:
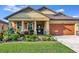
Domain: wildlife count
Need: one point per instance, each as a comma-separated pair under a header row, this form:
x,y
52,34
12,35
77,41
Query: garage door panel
x,y
69,29
62,29
56,29
67,32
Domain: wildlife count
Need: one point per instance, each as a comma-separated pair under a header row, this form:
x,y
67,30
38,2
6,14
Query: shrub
x,y
34,37
10,30
28,38
53,38
31,38
31,32
14,36
21,34
9,37
18,30
48,38
44,38
6,36
1,36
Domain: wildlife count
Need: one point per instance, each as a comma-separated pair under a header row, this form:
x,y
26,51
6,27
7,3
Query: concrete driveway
x,y
70,41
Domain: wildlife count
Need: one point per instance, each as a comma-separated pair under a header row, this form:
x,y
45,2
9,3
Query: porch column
x,y
22,25
47,27
35,27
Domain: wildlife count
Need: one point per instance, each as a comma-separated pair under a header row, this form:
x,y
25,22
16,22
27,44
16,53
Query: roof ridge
x,y
22,10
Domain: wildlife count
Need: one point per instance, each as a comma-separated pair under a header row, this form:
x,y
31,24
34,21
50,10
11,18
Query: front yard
x,y
21,42
34,47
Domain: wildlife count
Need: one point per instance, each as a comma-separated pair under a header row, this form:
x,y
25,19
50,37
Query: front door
x,y
40,29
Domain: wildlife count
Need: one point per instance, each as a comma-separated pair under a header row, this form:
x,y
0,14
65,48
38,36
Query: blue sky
x,y
71,10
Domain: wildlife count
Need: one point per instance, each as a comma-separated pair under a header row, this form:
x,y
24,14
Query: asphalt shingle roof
x,y
3,22
51,16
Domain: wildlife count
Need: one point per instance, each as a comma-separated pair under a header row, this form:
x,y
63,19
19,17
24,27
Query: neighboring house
x,y
43,21
3,26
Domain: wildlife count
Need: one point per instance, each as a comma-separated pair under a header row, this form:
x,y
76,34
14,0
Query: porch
x,y
39,27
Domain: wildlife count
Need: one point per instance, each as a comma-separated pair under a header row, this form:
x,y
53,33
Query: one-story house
x,y
3,26
43,21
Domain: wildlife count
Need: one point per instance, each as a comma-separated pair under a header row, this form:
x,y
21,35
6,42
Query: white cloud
x,y
60,10
23,6
13,8
76,16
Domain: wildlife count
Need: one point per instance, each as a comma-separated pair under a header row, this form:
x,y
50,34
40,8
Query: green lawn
x,y
34,47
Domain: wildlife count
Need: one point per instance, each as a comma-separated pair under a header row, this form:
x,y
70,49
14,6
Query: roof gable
x,y
59,14
26,13
45,10
18,12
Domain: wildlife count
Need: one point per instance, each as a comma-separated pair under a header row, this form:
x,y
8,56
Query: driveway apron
x,y
70,41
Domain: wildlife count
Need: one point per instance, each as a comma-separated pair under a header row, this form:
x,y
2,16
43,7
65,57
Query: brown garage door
x,y
62,29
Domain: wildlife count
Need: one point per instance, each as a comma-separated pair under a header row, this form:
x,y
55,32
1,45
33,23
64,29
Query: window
x,y
29,25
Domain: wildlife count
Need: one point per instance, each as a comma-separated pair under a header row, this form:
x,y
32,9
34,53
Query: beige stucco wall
x,y
77,28
62,22
34,16
77,25
46,11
